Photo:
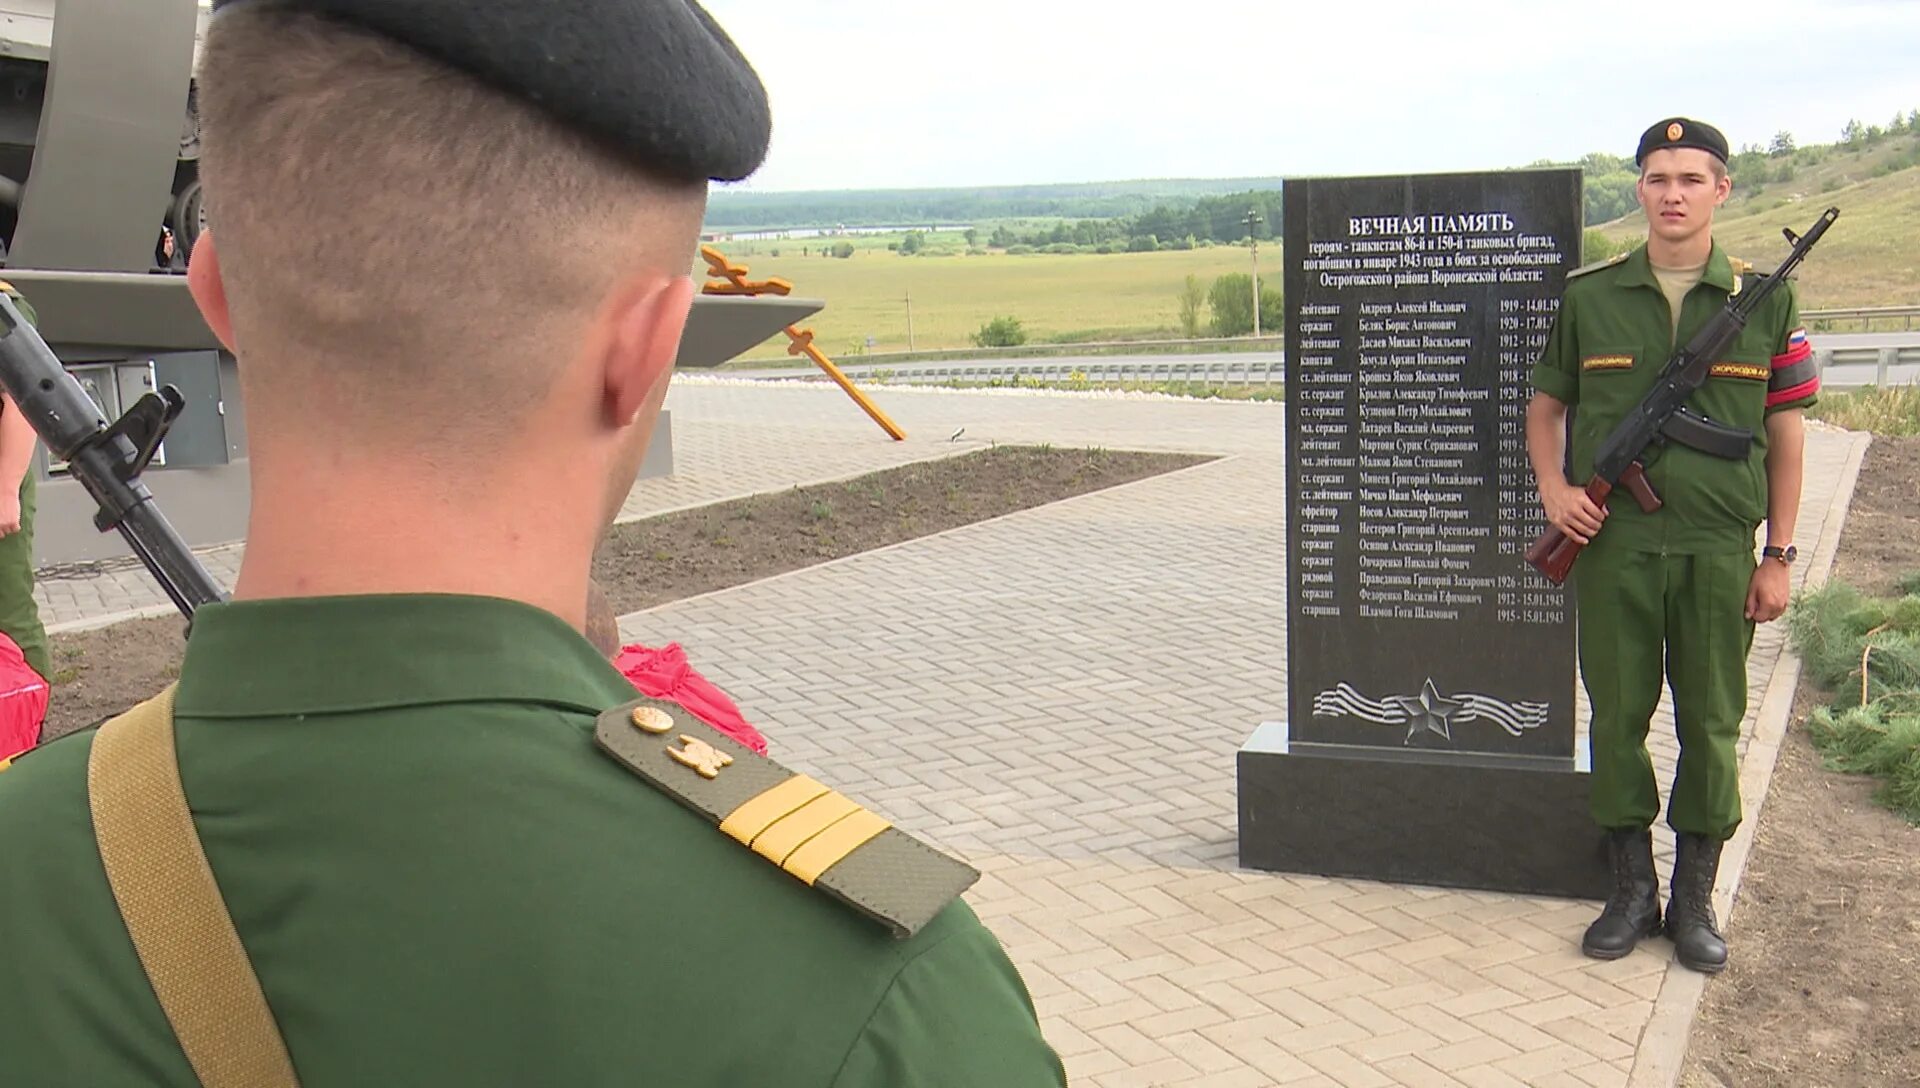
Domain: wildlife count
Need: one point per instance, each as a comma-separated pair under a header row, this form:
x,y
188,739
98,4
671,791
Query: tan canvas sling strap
x,y
172,906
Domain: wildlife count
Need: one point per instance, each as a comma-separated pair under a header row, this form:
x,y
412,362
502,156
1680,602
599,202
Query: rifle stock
x,y
1553,553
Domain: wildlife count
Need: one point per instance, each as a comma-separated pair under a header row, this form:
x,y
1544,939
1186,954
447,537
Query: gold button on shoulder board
x,y
651,719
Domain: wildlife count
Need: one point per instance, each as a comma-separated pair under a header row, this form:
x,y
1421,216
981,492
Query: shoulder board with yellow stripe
x,y
815,834
1598,265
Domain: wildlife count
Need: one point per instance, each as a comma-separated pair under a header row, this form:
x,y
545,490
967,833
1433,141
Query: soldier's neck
x,y
316,530
1690,253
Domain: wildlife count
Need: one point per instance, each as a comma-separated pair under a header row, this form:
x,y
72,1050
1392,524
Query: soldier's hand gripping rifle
x,y
107,460
1662,414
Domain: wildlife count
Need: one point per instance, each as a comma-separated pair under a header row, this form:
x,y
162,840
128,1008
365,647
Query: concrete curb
x,y
108,619
1662,1052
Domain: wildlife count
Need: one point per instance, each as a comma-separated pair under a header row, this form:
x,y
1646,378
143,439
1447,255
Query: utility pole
x,y
909,318
1252,220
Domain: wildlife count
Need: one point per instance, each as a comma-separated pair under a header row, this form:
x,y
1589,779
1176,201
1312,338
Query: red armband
x,y
1795,374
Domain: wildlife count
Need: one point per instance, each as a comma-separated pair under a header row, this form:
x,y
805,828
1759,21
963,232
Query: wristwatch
x,y
1785,555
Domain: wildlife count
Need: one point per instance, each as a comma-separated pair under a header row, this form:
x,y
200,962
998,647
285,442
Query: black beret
x,y
1681,132
657,79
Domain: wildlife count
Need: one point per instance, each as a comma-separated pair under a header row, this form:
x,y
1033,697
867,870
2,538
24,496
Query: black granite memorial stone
x,y
1429,730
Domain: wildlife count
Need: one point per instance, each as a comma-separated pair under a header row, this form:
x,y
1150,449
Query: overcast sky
x,y
904,93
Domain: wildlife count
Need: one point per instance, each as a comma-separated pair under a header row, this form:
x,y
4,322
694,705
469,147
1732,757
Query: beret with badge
x,y
1681,132
657,80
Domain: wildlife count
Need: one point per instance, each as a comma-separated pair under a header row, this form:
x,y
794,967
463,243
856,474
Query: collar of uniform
x,y
319,655
1637,271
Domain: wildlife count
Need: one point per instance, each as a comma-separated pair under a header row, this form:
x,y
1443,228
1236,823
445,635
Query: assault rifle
x,y
107,460
1662,415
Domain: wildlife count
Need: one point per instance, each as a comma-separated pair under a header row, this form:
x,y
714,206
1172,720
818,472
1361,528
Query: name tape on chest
x,y
1753,372
812,832
1607,362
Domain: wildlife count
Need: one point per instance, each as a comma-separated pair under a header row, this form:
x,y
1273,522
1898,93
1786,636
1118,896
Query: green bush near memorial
x,y
1865,652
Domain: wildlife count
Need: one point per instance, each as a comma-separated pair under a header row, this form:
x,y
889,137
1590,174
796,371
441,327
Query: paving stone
x,y
1057,695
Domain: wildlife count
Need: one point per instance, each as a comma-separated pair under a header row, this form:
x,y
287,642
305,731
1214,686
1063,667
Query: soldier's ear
x,y
209,290
648,319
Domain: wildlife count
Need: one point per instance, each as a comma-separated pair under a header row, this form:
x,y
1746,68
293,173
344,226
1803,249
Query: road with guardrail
x,y
1847,361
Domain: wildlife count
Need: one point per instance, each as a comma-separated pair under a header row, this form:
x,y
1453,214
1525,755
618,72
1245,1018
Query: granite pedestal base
x,y
1457,820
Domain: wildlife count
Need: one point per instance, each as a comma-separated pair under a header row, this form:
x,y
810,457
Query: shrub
x,y
1001,332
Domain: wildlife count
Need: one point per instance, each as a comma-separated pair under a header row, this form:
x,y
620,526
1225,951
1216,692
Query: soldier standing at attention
x,y
1677,591
451,846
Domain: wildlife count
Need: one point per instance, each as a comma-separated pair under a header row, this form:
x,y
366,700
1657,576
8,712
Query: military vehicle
x,y
99,149
26,50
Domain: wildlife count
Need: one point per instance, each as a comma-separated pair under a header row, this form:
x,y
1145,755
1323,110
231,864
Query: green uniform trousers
x,y
19,612
1642,614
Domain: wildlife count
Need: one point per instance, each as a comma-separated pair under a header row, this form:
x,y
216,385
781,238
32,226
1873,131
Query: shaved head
x,y
402,247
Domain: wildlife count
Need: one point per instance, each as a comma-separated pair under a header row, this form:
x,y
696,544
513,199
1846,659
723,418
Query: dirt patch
x,y
1823,987
101,672
651,562
712,547
1880,542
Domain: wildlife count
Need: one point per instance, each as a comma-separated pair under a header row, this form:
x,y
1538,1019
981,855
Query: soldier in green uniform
x,y
19,495
453,847
1676,592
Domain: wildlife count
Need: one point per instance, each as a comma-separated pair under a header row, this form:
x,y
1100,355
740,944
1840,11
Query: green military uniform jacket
x,y
441,881
1610,339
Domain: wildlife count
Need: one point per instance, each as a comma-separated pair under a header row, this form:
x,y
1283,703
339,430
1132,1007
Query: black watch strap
x,y
1786,555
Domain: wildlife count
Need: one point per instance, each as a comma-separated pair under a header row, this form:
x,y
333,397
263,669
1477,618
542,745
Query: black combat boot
x,y
1690,921
1633,910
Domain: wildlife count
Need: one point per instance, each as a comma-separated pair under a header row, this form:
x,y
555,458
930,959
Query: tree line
x,y
743,209
1217,219
1133,217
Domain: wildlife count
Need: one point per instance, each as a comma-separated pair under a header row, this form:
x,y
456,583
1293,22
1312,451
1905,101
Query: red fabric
x,y
666,674
23,701
1799,353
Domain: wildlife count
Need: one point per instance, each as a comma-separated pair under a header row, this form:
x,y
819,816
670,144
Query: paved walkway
x,y
1058,695
716,458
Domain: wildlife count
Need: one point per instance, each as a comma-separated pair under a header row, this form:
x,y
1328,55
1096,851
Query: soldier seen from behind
x,y
455,849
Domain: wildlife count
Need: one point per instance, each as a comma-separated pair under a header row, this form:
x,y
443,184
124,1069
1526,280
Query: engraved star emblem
x,y
1427,710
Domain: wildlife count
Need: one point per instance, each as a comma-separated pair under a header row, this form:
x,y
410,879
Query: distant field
x,y
1870,258
1094,296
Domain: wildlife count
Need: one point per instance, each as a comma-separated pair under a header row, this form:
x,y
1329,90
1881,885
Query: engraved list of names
x,y
1416,307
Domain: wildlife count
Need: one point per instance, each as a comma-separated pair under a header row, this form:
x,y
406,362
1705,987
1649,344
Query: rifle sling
x,y
172,907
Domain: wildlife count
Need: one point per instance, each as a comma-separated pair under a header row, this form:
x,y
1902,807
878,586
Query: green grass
x,y
1891,412
1871,257
1065,296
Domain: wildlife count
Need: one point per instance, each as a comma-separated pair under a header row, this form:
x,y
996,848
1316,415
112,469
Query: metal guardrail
x,y
1866,315
1882,359
1243,370
1224,345
1908,316
1224,369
